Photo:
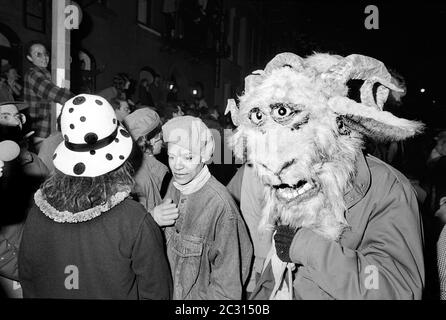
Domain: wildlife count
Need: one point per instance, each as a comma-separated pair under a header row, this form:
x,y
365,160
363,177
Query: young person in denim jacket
x,y
208,245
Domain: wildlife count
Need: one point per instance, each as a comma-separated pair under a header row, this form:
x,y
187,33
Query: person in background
x,y
40,92
83,222
12,80
11,126
21,175
144,95
211,118
441,212
5,92
145,127
10,88
439,150
121,107
49,145
10,230
208,245
121,83
437,170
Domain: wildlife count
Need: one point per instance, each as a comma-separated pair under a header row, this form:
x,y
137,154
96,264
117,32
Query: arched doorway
x,y
10,47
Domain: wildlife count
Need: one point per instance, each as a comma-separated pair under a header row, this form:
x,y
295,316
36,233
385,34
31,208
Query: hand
x,y
25,156
166,213
283,237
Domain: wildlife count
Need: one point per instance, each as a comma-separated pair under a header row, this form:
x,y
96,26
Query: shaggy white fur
x,y
288,128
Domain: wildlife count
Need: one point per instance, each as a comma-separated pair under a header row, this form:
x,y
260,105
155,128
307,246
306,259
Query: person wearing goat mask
x,y
346,225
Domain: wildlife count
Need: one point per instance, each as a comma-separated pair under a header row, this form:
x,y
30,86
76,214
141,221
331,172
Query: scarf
x,y
196,184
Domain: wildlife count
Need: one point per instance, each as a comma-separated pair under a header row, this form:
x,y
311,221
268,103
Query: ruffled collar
x,y
82,216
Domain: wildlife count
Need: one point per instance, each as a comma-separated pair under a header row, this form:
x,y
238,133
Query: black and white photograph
x,y
221,155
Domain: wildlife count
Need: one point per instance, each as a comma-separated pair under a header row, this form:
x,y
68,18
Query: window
x,y
34,15
145,12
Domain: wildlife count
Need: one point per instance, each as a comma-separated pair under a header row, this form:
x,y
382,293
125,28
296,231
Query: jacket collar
x,y
360,183
43,70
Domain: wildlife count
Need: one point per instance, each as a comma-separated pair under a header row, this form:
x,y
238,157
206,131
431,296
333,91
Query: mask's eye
x,y
256,116
282,112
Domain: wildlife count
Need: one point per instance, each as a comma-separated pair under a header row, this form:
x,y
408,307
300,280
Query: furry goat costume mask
x,y
303,135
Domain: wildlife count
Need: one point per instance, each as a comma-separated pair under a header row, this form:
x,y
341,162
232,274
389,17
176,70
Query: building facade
x,y
212,43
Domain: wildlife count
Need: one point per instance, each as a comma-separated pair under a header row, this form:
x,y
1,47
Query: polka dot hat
x,y
94,142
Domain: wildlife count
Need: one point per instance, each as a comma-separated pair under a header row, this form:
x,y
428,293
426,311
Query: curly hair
x,y
143,142
75,194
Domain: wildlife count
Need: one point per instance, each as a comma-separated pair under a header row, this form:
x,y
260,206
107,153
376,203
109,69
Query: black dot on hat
x,y
109,156
83,119
99,102
114,121
71,126
121,157
92,152
116,140
66,138
70,110
78,100
54,156
91,138
124,133
79,168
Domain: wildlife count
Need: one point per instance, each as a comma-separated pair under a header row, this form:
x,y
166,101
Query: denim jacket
x,y
209,248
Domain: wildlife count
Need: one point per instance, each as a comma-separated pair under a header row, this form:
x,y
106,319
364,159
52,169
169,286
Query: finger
x,y
166,222
168,204
169,222
172,216
169,212
171,206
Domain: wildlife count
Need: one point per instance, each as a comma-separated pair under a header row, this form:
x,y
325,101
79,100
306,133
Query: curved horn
x,y
285,59
371,70
231,107
253,80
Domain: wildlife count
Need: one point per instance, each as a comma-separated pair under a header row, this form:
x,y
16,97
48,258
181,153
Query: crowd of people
x,y
125,192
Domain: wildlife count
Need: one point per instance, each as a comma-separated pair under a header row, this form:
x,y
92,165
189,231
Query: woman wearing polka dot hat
x,y
83,220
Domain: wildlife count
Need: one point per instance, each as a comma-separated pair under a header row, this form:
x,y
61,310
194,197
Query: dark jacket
x,y
117,255
148,181
381,257
9,247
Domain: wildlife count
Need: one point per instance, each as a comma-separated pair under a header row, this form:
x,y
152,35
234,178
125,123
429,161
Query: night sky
x,y
410,40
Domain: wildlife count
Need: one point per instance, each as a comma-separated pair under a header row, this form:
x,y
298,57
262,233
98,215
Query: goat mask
x,y
303,135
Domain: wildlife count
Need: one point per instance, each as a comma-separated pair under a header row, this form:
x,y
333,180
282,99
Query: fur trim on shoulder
x,y
82,216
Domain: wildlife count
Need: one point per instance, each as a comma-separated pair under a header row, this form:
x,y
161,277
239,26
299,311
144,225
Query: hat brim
x,y
97,162
21,105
